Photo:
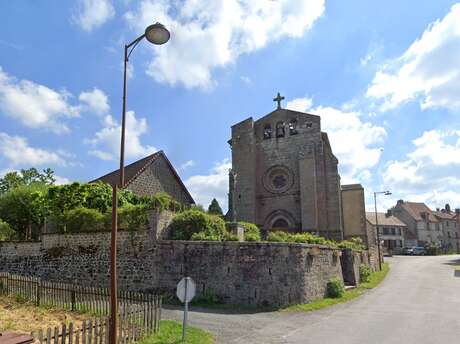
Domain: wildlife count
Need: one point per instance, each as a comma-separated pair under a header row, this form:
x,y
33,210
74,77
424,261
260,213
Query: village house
x,y
151,175
392,231
422,224
449,227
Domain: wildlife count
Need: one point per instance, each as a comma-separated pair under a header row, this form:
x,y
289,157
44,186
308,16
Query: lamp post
x,y
155,34
386,193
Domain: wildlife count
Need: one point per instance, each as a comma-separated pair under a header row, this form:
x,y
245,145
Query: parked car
x,y
408,251
414,251
419,251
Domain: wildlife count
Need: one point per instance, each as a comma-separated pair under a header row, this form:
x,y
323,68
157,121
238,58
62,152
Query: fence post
x,y
72,298
39,286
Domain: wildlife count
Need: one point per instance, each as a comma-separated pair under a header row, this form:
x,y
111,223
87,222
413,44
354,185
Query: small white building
x,y
391,230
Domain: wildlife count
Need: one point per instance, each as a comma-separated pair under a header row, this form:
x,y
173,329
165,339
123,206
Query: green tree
x,y
24,208
6,233
30,176
214,208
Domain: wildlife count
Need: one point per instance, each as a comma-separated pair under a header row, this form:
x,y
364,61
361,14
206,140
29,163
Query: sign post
x,y
186,290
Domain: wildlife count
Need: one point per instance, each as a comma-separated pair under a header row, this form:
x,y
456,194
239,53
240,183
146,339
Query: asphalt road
x,y
418,302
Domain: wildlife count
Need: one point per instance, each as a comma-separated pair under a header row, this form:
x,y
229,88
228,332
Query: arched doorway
x,y
280,224
280,220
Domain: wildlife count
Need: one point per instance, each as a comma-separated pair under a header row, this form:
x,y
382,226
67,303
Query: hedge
x,y
191,222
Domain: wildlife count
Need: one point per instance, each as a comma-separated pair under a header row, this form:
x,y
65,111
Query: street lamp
x,y
386,193
155,34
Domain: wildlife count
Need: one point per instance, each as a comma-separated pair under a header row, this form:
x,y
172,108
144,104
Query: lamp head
x,y
387,193
157,34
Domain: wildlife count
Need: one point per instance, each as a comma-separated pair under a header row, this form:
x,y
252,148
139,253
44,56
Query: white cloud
x,y
61,180
91,14
428,70
430,172
18,152
246,80
209,34
95,101
299,104
186,165
107,140
213,185
354,142
35,105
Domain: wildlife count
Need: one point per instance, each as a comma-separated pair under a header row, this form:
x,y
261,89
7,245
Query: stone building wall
x,y
158,177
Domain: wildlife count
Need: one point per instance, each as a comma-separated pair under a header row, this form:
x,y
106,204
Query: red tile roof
x,y
417,209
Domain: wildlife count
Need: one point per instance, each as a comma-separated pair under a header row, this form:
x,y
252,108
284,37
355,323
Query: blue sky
x,y
384,77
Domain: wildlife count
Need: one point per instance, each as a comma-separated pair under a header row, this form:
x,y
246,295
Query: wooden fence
x,y
139,313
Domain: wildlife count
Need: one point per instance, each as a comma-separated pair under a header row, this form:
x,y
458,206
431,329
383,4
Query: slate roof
x,y
416,209
384,220
444,215
132,171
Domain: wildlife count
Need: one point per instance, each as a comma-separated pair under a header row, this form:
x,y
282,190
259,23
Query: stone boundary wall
x,y
263,274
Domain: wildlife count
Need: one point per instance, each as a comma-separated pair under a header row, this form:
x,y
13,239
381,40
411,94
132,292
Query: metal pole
x,y
378,232
113,270
123,124
184,323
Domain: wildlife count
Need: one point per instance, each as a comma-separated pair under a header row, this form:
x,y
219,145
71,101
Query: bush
x,y
251,231
364,273
335,288
6,233
83,220
133,217
306,238
355,243
189,222
432,250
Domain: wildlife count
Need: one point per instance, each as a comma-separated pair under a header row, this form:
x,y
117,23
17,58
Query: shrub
x,y
355,243
204,236
364,273
335,288
306,238
189,222
133,217
432,250
251,231
6,233
83,220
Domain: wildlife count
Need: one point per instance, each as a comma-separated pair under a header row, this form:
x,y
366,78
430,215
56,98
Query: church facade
x,y
284,174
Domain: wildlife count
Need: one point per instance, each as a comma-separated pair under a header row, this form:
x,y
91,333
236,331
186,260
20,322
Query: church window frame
x,y
267,131
280,129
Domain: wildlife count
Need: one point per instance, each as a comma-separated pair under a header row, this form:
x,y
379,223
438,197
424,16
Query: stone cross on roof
x,y
278,99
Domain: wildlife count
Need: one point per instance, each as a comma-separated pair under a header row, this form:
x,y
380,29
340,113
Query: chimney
x,y
447,207
400,201
388,214
437,209
457,211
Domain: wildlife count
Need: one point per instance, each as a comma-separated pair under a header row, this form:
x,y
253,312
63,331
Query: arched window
x,y
293,127
280,129
267,131
280,224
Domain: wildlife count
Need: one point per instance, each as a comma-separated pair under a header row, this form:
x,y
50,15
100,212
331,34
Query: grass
x,y
20,316
374,281
171,333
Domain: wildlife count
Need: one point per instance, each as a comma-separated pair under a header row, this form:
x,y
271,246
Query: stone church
x,y
284,175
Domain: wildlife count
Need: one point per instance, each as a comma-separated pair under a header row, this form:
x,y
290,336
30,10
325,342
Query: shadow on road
x,y
453,262
222,309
